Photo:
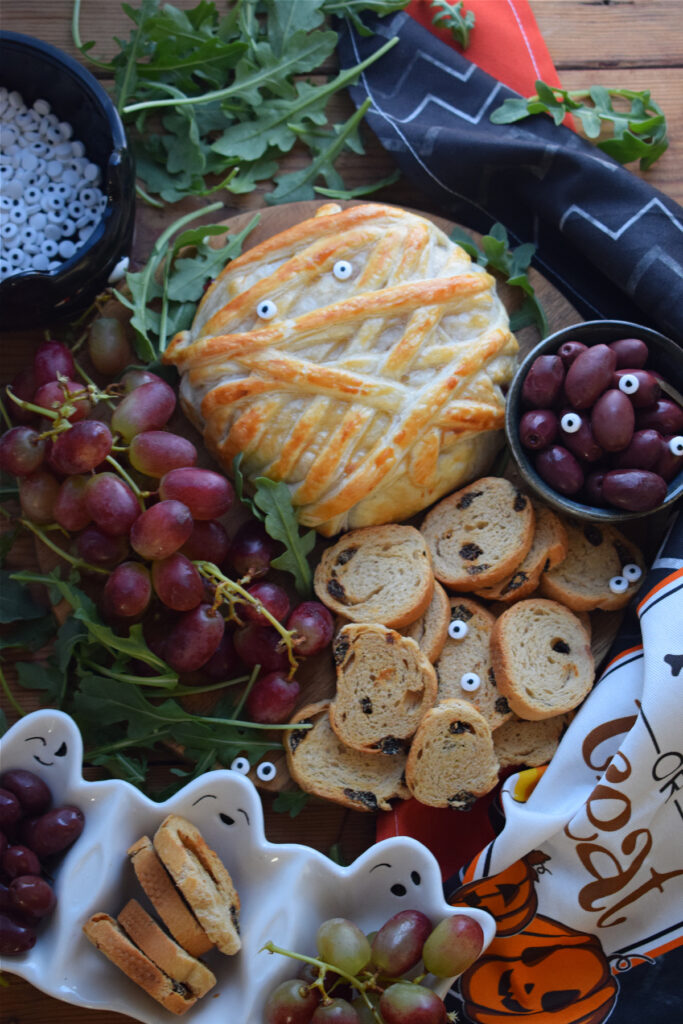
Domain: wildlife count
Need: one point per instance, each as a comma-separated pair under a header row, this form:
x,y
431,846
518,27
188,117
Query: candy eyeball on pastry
x,y
371,401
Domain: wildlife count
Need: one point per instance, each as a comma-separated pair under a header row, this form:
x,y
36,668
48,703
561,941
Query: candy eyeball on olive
x,y
570,422
618,584
266,771
470,682
241,765
458,630
632,572
342,270
266,309
629,383
676,444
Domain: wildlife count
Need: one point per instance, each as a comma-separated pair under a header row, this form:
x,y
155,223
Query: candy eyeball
x,y
470,682
676,444
631,572
266,771
458,630
241,765
629,383
266,309
618,584
570,422
342,270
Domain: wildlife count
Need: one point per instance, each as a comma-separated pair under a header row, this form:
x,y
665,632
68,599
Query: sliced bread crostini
x,y
431,629
385,684
377,574
452,760
541,658
520,743
480,534
548,548
320,764
592,573
463,669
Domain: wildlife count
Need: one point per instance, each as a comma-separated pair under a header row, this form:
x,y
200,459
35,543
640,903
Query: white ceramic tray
x,y
286,890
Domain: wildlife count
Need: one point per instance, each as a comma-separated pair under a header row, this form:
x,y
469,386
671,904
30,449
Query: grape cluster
x,y
361,979
32,833
141,516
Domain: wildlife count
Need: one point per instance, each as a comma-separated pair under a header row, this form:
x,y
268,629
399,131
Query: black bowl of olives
x,y
594,418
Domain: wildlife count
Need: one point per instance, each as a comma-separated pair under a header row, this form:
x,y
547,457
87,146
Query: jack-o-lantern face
x,y
550,974
509,896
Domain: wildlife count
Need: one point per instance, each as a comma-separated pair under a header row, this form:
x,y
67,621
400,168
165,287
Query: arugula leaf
x,y
453,17
274,500
38,675
16,602
637,133
30,635
290,801
513,263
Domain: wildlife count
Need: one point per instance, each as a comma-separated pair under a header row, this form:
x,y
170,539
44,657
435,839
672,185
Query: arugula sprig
x,y
495,252
637,133
205,95
455,18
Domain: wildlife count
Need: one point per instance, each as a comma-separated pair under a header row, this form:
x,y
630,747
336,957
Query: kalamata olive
x,y
647,391
32,895
643,451
630,352
542,383
30,790
55,830
665,416
593,487
569,351
560,469
589,375
581,442
15,937
538,429
637,490
612,420
19,860
669,463
10,808
4,843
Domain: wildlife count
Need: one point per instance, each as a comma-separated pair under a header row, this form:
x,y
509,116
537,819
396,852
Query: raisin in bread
x,y
548,549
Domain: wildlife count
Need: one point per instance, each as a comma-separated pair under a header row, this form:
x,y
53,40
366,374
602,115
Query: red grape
x,y
108,346
337,1011
55,830
127,592
314,626
208,542
37,495
272,699
161,530
19,860
70,509
208,495
155,452
251,550
111,504
148,407
177,583
223,664
52,396
407,1003
98,548
32,895
82,447
52,359
136,378
292,1002
397,946
24,387
261,645
273,598
21,451
194,639
15,937
453,946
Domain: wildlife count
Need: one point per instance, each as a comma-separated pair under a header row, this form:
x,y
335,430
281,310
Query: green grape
x,y
292,1002
407,1003
342,944
453,946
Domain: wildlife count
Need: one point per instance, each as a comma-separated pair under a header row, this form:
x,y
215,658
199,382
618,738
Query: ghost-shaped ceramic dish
x,y
286,890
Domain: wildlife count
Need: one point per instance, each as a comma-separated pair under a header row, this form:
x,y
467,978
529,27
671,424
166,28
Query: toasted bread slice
x,y
549,547
520,743
203,880
596,554
107,935
431,629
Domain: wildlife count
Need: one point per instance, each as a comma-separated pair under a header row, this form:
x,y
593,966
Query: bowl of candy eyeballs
x,y
67,184
594,419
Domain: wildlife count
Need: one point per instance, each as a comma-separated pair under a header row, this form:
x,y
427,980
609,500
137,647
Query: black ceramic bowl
x,y
666,358
37,70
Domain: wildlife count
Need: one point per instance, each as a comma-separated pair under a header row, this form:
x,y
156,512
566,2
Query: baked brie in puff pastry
x,y
358,356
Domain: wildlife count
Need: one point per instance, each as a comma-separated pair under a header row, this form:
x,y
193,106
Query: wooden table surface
x,y
638,44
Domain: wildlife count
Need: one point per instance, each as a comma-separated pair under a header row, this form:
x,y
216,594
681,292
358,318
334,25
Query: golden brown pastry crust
x,y
372,396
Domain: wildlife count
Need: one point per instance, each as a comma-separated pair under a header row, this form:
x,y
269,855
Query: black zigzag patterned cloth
x,y
611,243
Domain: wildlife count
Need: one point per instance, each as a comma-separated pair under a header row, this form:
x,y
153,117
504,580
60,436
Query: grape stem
x,y
227,589
51,414
323,967
5,415
78,563
128,479
10,696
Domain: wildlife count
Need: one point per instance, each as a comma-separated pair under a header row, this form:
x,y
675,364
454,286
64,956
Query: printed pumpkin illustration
x,y
549,974
509,896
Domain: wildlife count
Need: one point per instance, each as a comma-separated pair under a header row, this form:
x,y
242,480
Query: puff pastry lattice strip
x,y
358,356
